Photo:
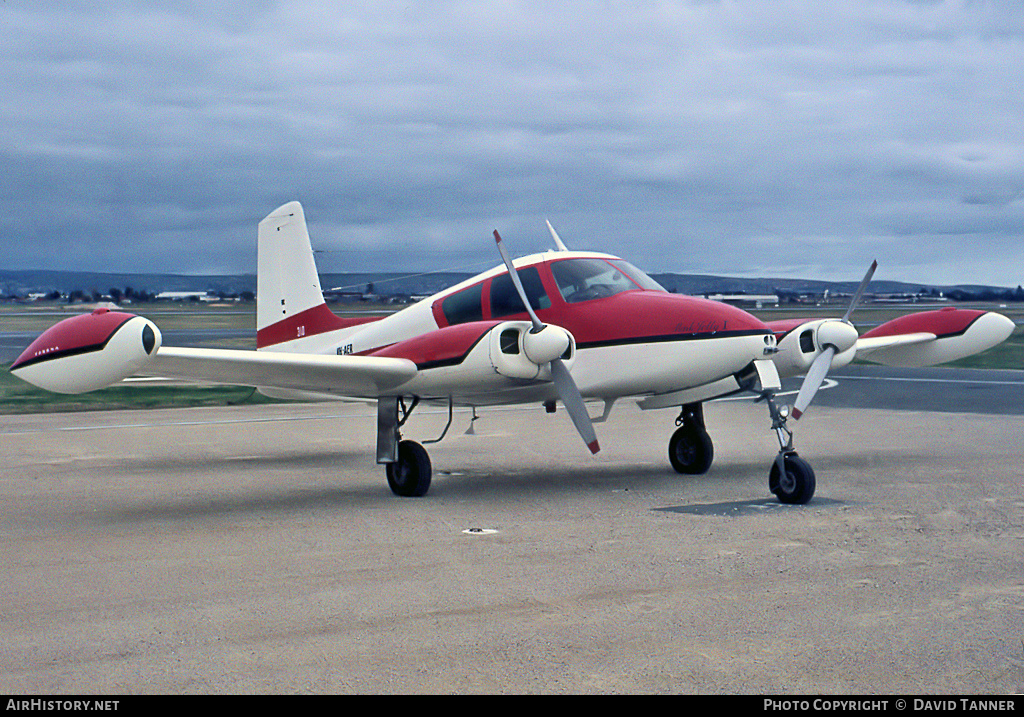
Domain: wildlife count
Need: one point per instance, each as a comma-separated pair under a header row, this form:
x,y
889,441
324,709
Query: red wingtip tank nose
x,y
86,352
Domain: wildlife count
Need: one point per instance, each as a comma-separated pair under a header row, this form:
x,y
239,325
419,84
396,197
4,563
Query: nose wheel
x,y
691,451
791,478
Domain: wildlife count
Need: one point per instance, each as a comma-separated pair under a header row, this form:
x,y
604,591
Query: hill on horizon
x,y
21,282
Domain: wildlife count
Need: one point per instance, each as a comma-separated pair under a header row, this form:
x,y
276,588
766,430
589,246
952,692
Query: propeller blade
x,y
860,290
567,390
537,325
573,402
813,380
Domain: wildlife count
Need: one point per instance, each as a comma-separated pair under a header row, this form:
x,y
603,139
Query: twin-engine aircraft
x,y
558,327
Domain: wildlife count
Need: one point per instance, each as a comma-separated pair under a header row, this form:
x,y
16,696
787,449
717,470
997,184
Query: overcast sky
x,y
791,138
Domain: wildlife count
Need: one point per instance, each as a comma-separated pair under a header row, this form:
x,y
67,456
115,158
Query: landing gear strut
x,y
791,478
690,449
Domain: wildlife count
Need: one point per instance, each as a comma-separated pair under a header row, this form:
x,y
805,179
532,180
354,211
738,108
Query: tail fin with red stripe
x,y
290,307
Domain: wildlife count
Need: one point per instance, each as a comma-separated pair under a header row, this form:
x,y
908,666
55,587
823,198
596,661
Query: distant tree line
x,y
117,295
138,296
986,294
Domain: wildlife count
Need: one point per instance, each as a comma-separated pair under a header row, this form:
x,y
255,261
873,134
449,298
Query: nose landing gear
x,y
791,478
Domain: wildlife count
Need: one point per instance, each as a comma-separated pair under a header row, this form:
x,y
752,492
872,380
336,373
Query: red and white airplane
x,y
564,326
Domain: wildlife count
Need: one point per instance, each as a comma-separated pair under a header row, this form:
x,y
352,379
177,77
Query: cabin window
x,y
586,279
505,299
642,280
464,306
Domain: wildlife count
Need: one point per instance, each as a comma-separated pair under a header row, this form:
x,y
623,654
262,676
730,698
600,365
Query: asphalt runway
x,y
258,550
950,390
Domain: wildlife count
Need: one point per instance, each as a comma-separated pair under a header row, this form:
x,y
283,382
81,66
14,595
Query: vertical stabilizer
x,y
286,279
291,314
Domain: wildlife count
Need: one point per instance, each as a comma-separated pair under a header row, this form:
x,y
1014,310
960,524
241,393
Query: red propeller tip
x,y
594,448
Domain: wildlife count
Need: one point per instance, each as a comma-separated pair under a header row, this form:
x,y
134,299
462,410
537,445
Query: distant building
x,y
185,296
757,300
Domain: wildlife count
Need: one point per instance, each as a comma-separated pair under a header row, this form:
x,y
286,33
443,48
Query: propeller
x,y
835,336
540,345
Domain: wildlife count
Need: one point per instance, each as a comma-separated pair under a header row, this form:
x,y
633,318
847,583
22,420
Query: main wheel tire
x,y
410,475
797,486
691,451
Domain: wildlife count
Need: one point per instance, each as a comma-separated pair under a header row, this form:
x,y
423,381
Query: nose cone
x,y
546,345
637,315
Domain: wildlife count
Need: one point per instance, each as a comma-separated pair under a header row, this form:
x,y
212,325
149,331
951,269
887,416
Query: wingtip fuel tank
x,y
87,352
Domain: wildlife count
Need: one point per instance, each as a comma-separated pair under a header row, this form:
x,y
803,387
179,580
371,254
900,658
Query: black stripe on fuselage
x,y
662,338
668,338
454,360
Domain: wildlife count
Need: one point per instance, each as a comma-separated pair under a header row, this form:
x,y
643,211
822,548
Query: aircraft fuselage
x,y
631,337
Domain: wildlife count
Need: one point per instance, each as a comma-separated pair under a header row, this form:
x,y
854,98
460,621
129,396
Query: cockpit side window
x,y
585,279
505,299
464,306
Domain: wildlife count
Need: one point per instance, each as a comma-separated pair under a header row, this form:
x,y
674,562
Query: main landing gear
x,y
406,463
691,451
409,476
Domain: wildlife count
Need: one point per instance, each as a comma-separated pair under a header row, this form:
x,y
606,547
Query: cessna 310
x,y
558,326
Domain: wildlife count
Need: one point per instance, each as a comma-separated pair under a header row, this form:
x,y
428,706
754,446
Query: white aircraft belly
x,y
666,366
601,372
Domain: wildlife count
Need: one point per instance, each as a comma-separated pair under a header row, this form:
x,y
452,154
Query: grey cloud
x,y
759,137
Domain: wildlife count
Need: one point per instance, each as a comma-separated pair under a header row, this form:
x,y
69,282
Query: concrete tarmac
x,y
258,549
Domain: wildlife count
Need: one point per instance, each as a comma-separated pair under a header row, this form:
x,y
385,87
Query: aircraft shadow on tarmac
x,y
740,508
321,495
291,461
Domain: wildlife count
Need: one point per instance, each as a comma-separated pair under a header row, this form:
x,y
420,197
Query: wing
x,y
925,338
92,351
358,376
868,345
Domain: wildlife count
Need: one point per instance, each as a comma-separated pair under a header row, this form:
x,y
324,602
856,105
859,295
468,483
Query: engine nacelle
x,y
800,346
88,352
513,350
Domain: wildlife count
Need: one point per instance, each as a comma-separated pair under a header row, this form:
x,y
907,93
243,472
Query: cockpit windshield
x,y
586,279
